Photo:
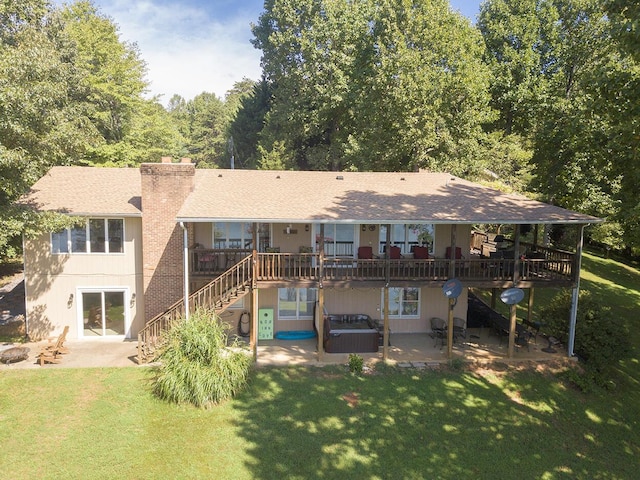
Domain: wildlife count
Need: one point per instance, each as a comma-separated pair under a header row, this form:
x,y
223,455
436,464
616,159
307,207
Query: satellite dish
x,y
512,296
452,288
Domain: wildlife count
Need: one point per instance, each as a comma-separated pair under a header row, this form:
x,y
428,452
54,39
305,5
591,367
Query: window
x,y
97,235
404,302
338,239
232,235
296,303
406,236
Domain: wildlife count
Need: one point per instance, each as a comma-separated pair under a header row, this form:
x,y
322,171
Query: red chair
x,y
458,253
365,253
420,253
394,253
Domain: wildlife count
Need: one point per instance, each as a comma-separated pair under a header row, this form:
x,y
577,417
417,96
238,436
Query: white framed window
x,y
96,235
407,236
404,302
296,303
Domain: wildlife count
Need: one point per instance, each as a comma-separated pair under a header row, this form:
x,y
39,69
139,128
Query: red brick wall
x,y
165,186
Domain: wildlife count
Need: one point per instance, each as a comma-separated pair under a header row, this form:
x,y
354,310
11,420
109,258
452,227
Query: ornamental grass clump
x,y
198,364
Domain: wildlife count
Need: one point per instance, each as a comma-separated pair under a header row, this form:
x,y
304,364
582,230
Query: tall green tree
x,y
565,79
373,85
248,123
133,128
44,113
207,139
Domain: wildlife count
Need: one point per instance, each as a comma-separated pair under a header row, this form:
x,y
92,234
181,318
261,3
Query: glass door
x,y
103,313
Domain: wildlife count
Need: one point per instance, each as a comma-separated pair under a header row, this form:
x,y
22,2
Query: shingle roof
x,y
87,191
381,197
295,196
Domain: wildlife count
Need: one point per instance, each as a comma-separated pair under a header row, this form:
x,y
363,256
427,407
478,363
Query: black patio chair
x,y
438,330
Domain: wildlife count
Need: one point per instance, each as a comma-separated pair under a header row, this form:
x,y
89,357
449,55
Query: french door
x,y
103,313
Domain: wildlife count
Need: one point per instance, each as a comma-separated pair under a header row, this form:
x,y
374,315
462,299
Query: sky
x,y
193,46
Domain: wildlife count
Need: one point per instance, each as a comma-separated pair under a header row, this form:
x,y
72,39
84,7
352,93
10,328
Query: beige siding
x,y
443,239
367,301
51,279
204,234
291,242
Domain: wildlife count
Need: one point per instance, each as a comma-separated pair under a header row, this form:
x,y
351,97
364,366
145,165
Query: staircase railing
x,y
217,294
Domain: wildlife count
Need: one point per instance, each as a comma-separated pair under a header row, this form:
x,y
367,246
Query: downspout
x,y
185,242
574,297
26,293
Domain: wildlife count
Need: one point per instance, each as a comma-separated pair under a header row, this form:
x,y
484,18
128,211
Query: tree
x,y
566,81
43,110
248,123
113,75
206,140
373,85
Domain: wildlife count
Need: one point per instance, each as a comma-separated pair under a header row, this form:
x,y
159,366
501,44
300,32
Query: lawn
x,y
301,423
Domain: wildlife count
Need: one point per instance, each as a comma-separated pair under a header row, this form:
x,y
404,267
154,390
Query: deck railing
x,y
294,266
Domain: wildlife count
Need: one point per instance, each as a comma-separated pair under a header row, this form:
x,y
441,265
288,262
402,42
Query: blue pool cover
x,y
295,334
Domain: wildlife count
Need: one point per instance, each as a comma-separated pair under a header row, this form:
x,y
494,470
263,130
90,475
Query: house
x,y
267,249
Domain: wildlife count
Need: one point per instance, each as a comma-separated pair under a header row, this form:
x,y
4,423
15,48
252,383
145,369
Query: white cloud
x,y
189,48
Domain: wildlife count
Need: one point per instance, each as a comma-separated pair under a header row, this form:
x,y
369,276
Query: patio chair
x,y
50,353
533,328
59,342
459,328
395,253
438,330
365,253
420,252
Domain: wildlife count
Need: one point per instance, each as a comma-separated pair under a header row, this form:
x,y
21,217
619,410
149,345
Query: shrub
x,y
197,364
600,342
356,363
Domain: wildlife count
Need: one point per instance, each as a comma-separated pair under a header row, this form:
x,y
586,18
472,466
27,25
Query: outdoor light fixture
x,y
132,301
70,301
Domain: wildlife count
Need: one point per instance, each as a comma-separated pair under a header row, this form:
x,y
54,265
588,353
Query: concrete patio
x,y
405,349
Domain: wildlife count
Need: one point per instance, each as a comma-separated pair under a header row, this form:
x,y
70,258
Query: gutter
x,y
185,249
574,297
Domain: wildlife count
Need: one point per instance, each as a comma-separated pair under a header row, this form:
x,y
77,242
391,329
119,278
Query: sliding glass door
x,y
103,313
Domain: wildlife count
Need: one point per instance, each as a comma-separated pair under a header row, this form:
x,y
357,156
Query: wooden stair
x,y
217,295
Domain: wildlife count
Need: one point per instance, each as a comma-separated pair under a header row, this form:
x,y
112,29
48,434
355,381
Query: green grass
x,y
293,423
300,423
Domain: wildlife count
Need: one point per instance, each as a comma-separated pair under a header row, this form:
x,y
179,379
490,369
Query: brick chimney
x,y
165,187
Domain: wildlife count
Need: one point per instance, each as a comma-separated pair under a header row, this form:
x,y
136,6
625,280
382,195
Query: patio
x,y
481,346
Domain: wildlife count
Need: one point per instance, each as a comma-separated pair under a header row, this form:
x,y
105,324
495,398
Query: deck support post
x,y
530,306
253,336
452,301
385,323
385,307
253,332
512,330
320,312
320,323
516,255
516,278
